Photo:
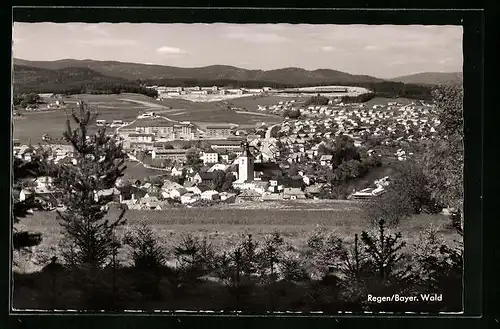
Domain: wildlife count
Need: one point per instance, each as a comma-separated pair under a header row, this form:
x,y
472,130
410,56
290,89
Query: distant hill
x,y
133,71
431,78
27,75
27,78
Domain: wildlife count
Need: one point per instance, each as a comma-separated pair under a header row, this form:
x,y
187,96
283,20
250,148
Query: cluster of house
x,y
58,104
56,152
42,189
144,132
158,197
254,180
397,127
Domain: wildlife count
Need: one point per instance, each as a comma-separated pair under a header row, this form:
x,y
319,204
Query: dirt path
x,y
148,104
255,113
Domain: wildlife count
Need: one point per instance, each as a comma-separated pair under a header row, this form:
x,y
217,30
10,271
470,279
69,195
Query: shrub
x,y
293,268
316,100
292,114
325,254
270,257
147,252
237,269
195,257
407,194
249,256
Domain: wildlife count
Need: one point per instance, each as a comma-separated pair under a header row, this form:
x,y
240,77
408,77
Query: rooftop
x,y
219,127
170,151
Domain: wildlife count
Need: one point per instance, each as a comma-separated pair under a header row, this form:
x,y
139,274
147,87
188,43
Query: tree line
x,y
269,275
87,88
26,99
380,89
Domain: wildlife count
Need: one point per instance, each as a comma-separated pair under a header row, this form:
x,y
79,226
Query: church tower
x,y
245,165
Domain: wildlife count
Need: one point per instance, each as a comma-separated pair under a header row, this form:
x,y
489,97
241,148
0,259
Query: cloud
x,y
374,47
258,37
327,48
108,42
446,60
170,50
95,29
87,29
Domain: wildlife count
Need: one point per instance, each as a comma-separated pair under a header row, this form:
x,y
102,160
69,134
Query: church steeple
x,y
245,166
246,150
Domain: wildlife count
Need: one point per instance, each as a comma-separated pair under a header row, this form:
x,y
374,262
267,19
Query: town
x,y
224,163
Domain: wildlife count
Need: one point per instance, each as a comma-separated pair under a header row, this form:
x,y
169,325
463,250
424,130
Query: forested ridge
x,y
84,79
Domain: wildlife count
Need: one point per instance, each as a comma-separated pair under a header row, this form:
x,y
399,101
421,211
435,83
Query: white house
x,y
176,171
293,193
210,157
218,166
177,193
224,196
169,185
326,159
210,195
106,193
188,198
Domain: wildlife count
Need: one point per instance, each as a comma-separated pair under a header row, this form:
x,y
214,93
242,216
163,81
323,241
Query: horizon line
x,y
253,69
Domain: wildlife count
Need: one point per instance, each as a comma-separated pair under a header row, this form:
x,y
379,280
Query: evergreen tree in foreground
x,y
98,162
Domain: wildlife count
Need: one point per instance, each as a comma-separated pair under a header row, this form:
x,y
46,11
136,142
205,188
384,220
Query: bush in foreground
x,y
329,276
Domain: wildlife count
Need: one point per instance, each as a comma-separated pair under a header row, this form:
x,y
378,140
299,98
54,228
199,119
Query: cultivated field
x,y
135,171
226,225
385,101
250,103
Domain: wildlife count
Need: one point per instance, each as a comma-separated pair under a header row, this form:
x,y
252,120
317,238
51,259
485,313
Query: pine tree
x,y
98,162
384,252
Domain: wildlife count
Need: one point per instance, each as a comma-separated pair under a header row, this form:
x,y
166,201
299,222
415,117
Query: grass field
x,y
126,107
250,103
227,225
384,101
136,171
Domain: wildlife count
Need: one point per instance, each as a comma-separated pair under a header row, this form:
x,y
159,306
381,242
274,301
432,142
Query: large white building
x,y
210,157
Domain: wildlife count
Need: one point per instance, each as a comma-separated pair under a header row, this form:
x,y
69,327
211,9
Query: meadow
x,y
385,101
136,171
226,225
33,125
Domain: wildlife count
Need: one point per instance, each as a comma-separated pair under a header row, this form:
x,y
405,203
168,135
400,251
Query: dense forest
x,y
70,81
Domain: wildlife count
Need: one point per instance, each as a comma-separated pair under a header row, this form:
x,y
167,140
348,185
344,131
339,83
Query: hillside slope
x,y
33,79
431,78
27,75
134,71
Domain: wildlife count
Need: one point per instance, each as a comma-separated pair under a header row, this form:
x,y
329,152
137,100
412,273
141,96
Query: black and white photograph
x,y
237,168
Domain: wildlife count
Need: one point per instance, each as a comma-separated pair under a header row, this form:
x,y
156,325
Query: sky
x,y
383,51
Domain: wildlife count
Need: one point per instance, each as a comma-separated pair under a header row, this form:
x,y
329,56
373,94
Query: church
x,y
250,173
